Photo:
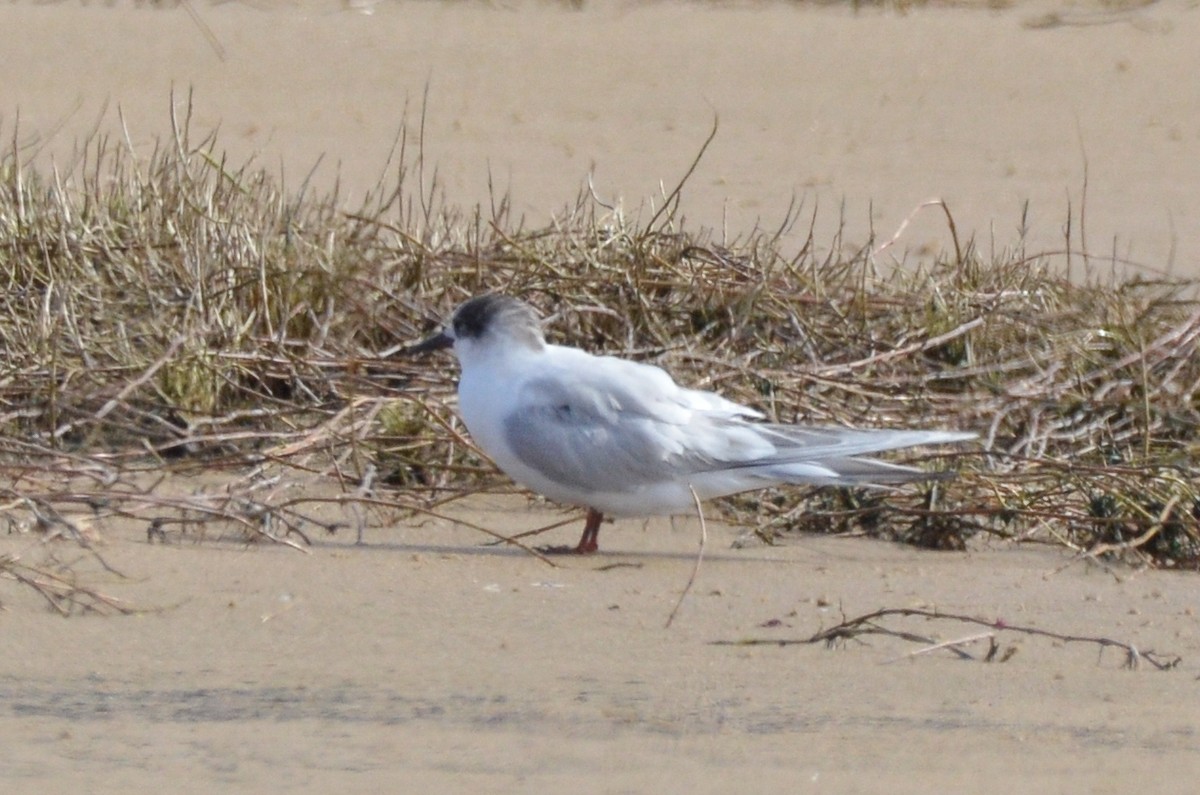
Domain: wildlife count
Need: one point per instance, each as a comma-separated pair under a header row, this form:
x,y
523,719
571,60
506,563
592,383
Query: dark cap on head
x,y
486,314
493,313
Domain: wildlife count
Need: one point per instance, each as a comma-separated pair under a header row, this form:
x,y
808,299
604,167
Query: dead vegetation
x,y
178,315
882,623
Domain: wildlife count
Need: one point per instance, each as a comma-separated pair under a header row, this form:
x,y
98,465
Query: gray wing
x,y
832,456
796,443
621,423
598,436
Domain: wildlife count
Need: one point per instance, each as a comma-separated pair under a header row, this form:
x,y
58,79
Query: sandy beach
x,y
859,118
425,660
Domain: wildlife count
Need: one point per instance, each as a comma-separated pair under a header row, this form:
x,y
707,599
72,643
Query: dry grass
x,y
183,316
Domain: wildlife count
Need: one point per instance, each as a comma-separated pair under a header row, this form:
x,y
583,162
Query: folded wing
x,y
616,425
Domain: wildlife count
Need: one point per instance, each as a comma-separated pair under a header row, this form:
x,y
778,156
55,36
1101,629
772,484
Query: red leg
x,y
589,541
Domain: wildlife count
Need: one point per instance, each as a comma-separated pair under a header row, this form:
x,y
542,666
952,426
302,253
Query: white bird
x,y
622,438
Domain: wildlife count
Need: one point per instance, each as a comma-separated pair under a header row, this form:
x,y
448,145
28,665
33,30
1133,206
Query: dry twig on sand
x,y
870,624
61,589
699,558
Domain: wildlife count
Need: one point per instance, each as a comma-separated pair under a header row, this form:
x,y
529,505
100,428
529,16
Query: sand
x,y
423,661
859,118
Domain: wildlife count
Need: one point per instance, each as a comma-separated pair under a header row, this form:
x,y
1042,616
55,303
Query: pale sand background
x,y
877,110
421,662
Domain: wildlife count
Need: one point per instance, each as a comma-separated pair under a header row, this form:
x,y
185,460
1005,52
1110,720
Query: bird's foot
x,y
589,542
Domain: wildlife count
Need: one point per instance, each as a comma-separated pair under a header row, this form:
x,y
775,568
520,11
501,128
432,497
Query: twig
x,y
699,557
478,528
61,593
671,201
867,625
958,252
916,347
949,644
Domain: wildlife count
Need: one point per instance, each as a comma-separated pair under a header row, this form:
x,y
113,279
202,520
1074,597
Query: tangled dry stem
x,y
876,623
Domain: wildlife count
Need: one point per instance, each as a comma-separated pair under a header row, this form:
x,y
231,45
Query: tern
x,y
621,438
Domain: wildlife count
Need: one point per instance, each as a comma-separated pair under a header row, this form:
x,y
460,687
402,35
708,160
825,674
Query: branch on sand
x,y
871,624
